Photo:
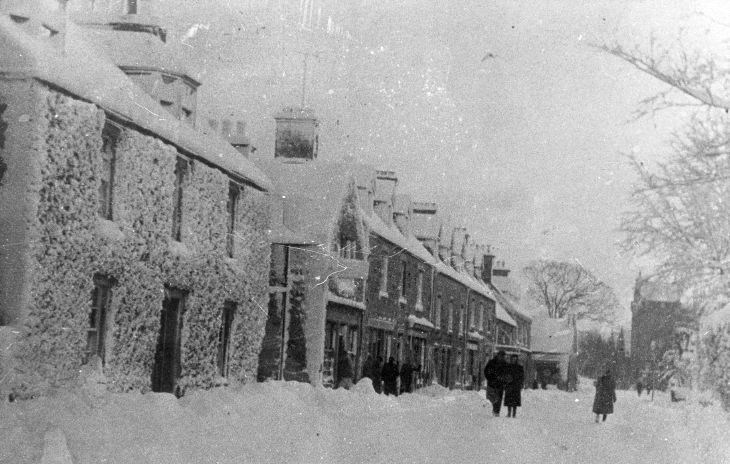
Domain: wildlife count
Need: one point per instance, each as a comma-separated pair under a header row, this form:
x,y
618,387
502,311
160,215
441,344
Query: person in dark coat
x,y
406,377
494,372
513,388
605,395
345,370
367,367
390,377
376,371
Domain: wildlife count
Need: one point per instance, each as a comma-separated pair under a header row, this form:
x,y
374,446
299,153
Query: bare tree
x,y
681,213
569,289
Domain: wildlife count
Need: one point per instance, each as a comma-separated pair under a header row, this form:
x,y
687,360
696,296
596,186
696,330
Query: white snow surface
x,y
289,422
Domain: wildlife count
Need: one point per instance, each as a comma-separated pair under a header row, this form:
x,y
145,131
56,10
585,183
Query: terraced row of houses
x,y
163,256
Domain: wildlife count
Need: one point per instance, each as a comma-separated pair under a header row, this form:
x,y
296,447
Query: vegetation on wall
x,y
136,250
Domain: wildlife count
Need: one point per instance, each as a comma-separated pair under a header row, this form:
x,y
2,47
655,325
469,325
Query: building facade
x,y
113,224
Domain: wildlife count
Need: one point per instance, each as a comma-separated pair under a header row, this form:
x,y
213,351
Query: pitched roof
x,y
426,226
313,193
82,70
504,316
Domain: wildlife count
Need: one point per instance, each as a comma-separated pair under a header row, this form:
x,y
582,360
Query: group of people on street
x,y
504,383
385,377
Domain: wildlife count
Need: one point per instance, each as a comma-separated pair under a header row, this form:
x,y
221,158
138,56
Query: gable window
x,y
110,137
96,330
224,337
450,320
234,191
181,170
384,277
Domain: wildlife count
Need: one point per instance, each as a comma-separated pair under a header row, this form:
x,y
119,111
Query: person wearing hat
x,y
496,372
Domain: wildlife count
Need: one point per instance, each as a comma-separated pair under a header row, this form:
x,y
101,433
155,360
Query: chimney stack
x,y
385,187
296,134
488,261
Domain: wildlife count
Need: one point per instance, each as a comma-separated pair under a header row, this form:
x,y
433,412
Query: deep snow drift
x,y
292,422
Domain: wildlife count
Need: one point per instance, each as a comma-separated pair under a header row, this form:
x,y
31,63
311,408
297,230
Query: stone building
x,y
130,242
659,322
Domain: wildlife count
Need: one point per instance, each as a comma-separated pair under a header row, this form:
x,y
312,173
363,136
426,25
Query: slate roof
x,y
84,71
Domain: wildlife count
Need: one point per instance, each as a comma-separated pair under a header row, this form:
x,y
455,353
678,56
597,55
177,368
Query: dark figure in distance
x,y
605,395
390,377
376,371
513,389
368,367
406,377
640,385
495,373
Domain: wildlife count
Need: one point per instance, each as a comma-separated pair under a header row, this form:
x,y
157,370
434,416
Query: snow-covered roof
x,y
508,304
82,70
313,193
415,320
393,235
551,335
504,316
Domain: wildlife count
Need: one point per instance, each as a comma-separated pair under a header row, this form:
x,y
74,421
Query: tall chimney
x,y
402,211
488,261
296,134
385,187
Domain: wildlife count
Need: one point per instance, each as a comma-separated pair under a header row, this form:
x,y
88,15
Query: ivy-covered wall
x,y
714,362
136,250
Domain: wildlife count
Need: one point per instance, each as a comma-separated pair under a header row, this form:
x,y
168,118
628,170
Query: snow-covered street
x,y
296,423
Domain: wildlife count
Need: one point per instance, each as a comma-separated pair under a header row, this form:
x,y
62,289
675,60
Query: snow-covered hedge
x,y
714,361
136,250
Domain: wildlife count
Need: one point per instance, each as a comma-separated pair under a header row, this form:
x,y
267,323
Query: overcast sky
x,y
545,116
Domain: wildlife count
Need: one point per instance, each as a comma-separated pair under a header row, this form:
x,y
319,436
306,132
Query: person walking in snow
x,y
494,372
377,369
345,370
605,395
390,377
513,388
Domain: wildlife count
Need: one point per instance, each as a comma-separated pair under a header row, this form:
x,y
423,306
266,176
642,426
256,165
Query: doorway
x,y
167,368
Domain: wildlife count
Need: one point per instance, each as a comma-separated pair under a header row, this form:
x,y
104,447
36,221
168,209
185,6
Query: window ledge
x,y
418,307
402,300
383,294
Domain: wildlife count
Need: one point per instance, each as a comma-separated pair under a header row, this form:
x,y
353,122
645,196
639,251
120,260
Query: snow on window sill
x,y
402,300
383,294
418,307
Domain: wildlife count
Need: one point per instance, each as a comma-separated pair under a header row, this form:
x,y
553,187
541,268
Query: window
x,y
450,321
437,312
279,265
110,137
384,277
403,279
181,169
95,333
472,316
481,316
224,337
419,289
234,191
461,319
131,6
167,368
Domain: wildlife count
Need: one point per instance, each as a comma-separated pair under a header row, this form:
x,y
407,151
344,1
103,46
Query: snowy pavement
x,y
295,423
